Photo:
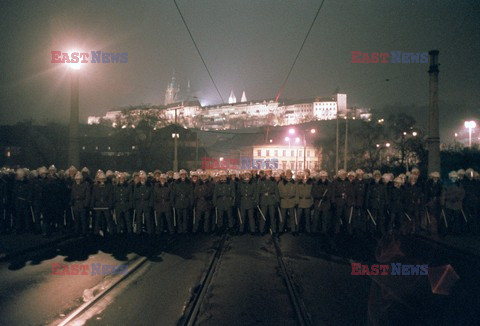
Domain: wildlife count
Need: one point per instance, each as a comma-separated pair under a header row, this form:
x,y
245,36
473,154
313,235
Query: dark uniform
x,y
359,218
162,204
452,199
341,191
37,185
268,199
80,202
247,197
122,206
142,205
376,202
53,201
433,195
321,193
182,197
203,194
224,200
413,207
396,206
102,203
22,201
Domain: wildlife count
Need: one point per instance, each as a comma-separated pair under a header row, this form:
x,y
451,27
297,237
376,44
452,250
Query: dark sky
x,y
248,45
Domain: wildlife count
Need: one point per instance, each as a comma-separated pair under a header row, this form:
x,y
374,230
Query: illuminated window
x,y
259,152
268,153
292,153
276,153
308,153
284,153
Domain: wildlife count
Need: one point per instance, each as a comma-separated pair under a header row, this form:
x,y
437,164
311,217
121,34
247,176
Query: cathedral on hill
x,y
174,94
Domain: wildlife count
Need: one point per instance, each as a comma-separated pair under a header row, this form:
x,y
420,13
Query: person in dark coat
x,y
224,200
79,203
182,198
414,205
162,204
22,198
102,204
340,190
268,199
247,196
397,205
123,204
433,195
321,191
142,204
203,194
376,202
452,200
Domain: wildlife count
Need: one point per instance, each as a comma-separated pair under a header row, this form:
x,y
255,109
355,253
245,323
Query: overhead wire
x,y
198,50
299,51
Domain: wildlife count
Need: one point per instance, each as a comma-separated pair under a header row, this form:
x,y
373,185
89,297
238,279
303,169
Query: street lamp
x,y
414,134
175,137
470,125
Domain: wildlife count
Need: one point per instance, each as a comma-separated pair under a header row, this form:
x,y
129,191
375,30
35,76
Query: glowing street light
x,y
414,134
387,145
297,140
175,137
291,131
470,125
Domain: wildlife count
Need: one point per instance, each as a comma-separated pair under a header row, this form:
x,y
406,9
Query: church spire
x,y
244,98
232,99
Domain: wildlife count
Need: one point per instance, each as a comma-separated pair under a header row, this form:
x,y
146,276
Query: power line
x,y
299,51
196,47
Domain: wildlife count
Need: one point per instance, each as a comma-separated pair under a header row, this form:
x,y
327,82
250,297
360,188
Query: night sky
x,y
248,45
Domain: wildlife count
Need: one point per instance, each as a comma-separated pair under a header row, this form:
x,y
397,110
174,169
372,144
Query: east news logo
x,y
95,57
393,56
392,269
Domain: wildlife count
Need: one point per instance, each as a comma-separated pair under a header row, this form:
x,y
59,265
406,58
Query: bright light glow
x,y
313,131
414,134
75,66
271,140
291,131
378,145
297,140
456,134
404,133
470,124
387,144
221,158
175,135
287,138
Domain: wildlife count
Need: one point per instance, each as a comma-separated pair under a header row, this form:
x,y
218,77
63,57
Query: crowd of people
x,y
255,201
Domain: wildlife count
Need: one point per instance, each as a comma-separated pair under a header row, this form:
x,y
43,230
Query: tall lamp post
x,y
470,125
73,138
175,137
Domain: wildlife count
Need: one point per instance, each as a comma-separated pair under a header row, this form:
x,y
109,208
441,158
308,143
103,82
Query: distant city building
x,y
236,115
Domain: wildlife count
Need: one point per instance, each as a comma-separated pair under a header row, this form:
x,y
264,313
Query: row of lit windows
x,y
283,152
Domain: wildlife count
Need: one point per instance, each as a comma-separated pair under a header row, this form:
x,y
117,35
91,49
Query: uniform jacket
x,y
122,197
142,196
80,196
433,191
182,194
321,191
22,191
268,193
304,198
162,197
413,196
377,195
247,194
453,196
102,196
287,191
204,195
224,194
397,200
360,193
